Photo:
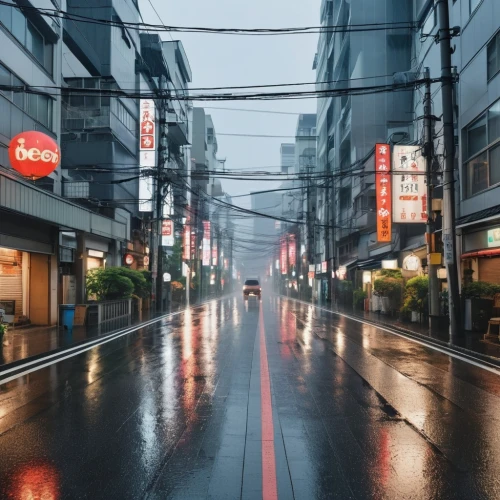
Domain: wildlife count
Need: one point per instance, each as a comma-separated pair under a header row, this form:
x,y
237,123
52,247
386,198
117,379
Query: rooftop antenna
x,y
223,161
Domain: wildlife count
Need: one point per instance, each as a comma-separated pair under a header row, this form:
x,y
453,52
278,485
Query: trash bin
x,y
67,315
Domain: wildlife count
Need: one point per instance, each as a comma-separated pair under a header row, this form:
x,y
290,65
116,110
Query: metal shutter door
x,y
489,270
11,288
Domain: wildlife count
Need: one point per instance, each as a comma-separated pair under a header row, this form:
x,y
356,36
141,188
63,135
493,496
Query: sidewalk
x,y
25,342
471,341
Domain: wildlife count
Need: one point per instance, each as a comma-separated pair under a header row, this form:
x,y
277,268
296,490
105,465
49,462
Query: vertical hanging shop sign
x,y
284,257
409,185
167,233
147,154
383,186
186,241
206,243
214,254
292,251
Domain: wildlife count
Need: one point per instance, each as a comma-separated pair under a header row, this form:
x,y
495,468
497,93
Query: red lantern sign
x,y
34,154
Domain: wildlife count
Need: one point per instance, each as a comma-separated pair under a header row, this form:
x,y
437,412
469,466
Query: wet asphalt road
x,y
240,400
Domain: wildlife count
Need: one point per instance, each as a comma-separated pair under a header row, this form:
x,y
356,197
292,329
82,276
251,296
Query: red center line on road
x,y
269,485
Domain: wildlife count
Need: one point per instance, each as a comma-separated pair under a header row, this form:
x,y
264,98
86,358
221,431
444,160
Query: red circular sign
x,y
146,260
129,259
34,154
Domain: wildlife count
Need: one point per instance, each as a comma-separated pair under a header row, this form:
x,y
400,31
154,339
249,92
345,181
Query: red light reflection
x,y
35,481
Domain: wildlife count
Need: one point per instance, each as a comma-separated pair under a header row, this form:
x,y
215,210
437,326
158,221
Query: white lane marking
x,y
82,349
484,365
90,343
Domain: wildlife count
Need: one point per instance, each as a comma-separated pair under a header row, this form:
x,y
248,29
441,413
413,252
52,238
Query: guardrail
x,y
113,314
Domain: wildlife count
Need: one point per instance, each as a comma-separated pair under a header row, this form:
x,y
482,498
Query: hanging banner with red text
x,y
214,255
292,251
186,241
206,243
409,185
284,257
167,233
383,187
147,153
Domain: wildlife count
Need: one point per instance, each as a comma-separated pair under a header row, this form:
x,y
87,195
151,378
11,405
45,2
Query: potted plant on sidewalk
x,y
415,304
478,301
388,286
3,331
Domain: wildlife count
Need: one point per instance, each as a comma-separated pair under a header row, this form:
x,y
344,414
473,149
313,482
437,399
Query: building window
x,y
38,107
473,5
494,56
123,114
476,136
430,21
477,174
28,35
494,123
482,150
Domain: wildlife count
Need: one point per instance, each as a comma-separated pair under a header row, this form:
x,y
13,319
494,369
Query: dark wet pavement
x,y
176,410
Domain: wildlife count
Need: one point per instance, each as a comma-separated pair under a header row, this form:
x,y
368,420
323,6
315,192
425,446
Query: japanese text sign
x,y
186,241
292,251
284,256
409,185
206,243
383,187
147,153
167,233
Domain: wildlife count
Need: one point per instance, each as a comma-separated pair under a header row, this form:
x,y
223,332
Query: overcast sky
x,y
224,60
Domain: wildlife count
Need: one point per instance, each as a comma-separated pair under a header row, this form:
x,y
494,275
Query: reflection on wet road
x,y
247,400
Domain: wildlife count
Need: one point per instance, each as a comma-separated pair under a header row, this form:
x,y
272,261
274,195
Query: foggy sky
x,y
223,60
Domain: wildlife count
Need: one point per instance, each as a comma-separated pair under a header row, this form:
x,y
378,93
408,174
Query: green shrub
x,y
388,287
109,284
390,284
391,273
359,297
478,289
141,287
416,295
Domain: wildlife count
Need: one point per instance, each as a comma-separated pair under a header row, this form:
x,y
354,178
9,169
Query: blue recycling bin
x,y
67,312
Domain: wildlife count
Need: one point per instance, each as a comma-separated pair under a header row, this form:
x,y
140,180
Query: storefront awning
x,y
487,215
349,263
493,252
374,263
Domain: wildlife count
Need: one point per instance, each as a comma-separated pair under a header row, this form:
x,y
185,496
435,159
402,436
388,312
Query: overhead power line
x,y
354,91
260,136
55,13
230,87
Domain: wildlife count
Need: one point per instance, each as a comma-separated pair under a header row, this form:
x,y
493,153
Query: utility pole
x,y
160,194
449,232
329,266
334,243
231,287
310,233
429,156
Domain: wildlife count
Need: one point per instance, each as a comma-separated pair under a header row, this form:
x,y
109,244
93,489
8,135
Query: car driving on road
x,y
252,288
